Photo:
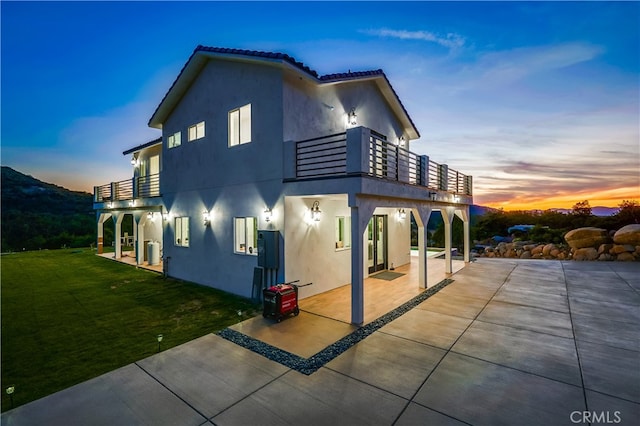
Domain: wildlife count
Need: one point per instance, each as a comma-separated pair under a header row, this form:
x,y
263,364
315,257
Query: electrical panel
x,y
268,249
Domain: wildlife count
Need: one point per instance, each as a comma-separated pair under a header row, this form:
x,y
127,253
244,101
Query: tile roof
x,y
291,60
258,54
142,146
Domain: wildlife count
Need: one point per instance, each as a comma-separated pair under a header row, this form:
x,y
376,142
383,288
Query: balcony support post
x,y
358,151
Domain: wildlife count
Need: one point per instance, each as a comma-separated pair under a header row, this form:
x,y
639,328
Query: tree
x,y
628,212
581,208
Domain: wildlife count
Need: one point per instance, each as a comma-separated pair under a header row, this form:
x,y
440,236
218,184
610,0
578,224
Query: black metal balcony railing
x,y
138,187
328,156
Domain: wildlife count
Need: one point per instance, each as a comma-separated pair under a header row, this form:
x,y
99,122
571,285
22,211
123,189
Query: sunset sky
x,y
540,102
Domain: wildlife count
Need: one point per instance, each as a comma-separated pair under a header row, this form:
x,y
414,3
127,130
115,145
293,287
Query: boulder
x,y
629,234
525,255
586,237
619,248
546,250
587,253
605,256
626,257
561,256
555,252
537,250
605,248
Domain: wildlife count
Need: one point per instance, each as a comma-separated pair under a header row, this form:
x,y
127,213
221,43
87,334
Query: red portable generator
x,y
281,300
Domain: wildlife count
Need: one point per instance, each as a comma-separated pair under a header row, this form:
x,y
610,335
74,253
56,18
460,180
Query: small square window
x,y
174,140
182,231
196,131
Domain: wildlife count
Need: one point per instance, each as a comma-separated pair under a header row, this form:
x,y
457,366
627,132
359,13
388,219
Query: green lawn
x,y
69,315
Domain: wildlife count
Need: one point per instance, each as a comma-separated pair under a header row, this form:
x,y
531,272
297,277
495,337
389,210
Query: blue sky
x,y
538,101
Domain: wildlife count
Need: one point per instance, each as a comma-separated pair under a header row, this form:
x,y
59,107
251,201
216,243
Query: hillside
x,y
37,214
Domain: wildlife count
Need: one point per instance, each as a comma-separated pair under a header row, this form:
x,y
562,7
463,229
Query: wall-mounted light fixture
x,y
400,141
206,217
132,203
456,199
134,160
110,204
165,216
402,215
315,211
268,214
433,196
352,118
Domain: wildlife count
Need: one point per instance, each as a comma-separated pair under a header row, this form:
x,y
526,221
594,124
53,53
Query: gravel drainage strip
x,y
311,365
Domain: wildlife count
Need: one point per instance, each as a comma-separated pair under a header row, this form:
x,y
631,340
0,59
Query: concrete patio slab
x,y
604,331
600,309
538,353
616,294
535,298
418,415
431,328
401,371
611,371
127,396
312,332
628,413
482,393
324,398
528,318
459,306
211,373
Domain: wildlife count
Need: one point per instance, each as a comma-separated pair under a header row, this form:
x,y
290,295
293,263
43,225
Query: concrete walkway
x,y
508,342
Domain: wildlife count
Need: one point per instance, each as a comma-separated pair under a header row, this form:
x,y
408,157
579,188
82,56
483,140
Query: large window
x,y
174,140
182,231
343,232
196,131
246,235
240,125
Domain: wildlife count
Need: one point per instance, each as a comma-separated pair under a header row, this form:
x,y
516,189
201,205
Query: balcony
x,y
363,152
130,189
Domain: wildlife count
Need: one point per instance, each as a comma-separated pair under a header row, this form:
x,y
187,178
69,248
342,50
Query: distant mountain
x,y
596,211
37,214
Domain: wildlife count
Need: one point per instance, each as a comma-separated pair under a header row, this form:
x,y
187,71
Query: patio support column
x,y
138,237
361,212
357,272
117,235
447,217
464,215
422,214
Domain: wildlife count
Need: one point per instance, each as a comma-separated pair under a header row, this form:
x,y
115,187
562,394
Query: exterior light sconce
x,y
206,217
132,203
134,160
456,199
402,215
315,211
268,214
165,216
110,205
352,118
433,196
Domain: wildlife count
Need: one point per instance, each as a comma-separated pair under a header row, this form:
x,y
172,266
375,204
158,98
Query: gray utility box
x,y
268,249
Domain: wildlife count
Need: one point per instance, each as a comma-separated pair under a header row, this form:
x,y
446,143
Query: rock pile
x,y
583,244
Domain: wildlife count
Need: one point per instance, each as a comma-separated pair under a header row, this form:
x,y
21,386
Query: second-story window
x,y
196,131
174,140
240,125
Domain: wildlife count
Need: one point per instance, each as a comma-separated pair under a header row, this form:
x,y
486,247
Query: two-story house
x,y
262,162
